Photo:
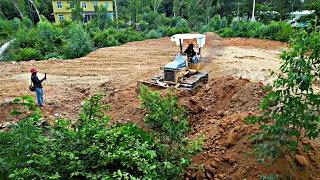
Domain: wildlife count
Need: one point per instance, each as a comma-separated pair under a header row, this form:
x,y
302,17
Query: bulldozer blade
x,y
152,86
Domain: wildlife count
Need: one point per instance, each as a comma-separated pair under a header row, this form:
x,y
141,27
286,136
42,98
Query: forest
x,y
136,20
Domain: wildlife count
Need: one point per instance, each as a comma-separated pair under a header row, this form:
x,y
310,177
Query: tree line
x,y
194,10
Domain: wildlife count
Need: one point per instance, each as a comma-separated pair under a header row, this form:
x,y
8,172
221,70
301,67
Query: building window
x,y
71,5
106,4
88,17
59,5
84,5
61,17
95,4
110,16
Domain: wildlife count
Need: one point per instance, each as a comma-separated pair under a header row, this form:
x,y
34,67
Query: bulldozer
x,y
183,72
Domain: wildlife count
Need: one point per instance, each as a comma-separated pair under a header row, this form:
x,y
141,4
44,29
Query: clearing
x,y
237,67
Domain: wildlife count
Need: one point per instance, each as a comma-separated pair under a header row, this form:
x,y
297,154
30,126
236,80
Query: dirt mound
x,y
227,150
222,97
210,36
255,43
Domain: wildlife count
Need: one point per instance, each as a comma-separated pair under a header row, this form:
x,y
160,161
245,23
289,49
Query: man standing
x,y
37,84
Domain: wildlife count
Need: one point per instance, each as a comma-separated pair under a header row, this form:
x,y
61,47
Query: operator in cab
x,y
189,51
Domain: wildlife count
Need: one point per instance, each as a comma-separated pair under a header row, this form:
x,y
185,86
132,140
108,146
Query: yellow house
x,y
62,9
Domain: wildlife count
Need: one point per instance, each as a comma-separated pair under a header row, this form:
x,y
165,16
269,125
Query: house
x,y
62,9
298,14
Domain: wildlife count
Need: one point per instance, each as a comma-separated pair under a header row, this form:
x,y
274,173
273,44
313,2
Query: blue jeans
x,y
39,93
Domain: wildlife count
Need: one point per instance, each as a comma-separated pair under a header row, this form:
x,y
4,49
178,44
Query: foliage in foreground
x,y
291,110
91,148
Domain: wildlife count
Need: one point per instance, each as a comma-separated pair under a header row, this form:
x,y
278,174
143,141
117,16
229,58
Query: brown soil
x,y
237,69
255,43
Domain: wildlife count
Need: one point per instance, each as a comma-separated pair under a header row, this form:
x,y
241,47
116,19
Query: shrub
x,y
18,143
239,28
46,35
91,148
43,18
169,126
5,28
252,29
153,34
226,32
161,20
16,24
143,25
285,33
167,31
26,54
204,29
53,55
27,22
79,43
272,30
182,23
215,23
224,22
290,112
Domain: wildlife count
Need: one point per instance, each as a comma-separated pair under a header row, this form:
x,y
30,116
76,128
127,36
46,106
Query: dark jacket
x,y
35,81
190,52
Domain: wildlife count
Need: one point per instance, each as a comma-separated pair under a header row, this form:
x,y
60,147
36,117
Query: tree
x,y
291,109
101,18
76,11
79,42
196,14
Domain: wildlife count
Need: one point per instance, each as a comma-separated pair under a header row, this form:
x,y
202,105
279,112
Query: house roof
x,y
304,12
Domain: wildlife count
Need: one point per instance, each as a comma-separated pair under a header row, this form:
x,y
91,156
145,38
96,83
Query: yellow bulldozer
x,y
184,71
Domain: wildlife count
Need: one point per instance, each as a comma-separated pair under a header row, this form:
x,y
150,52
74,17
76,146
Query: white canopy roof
x,y
201,39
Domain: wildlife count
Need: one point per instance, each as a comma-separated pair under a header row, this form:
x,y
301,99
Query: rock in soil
x,y
301,160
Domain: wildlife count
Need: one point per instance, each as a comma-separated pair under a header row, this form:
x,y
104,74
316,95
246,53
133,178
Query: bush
x,y
272,30
16,24
91,148
47,35
167,31
43,18
27,22
153,34
5,28
239,28
26,54
204,29
285,33
182,23
53,55
143,25
224,22
79,43
226,32
215,23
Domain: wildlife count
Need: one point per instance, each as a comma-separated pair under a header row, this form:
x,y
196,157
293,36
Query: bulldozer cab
x,y
194,63
182,72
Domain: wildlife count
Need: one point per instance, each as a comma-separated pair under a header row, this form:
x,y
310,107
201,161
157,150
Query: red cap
x,y
34,70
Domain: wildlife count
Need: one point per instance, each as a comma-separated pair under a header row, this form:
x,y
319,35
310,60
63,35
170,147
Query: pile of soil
x,y
211,36
218,109
255,43
222,97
